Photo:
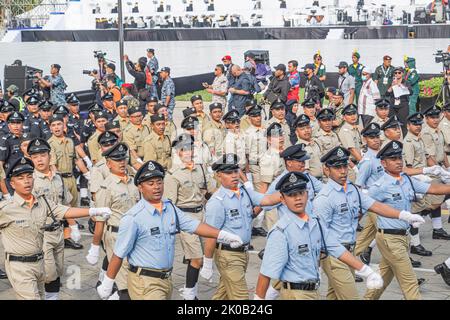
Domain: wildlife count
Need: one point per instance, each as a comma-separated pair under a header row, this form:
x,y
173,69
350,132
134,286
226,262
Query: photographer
x,y
111,71
111,87
446,89
137,70
55,83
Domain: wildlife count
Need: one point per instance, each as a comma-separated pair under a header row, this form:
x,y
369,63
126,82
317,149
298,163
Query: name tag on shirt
x,y
234,213
344,208
303,249
154,231
396,197
385,80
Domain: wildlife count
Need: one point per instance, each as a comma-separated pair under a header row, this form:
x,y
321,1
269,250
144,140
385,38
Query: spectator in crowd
x,y
240,90
111,71
167,90
313,87
346,83
137,70
368,94
153,66
55,83
279,85
219,87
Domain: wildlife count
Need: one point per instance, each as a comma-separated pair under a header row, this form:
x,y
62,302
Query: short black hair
x,y
294,63
110,77
221,66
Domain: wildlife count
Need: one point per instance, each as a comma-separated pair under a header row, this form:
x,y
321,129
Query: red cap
x,y
226,58
127,85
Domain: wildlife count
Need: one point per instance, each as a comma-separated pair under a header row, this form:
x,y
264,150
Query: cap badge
x,y
151,166
37,143
230,158
394,146
293,178
340,153
107,134
373,127
23,161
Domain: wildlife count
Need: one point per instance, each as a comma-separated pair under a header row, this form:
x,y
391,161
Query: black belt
x,y
349,246
398,232
447,153
223,246
192,210
66,175
112,229
151,273
33,258
307,286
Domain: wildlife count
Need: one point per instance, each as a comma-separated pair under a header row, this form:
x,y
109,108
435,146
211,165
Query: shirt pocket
x,y
235,219
155,240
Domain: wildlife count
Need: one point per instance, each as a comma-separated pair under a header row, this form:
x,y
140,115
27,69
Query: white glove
x,y
93,254
271,294
256,297
373,279
434,170
207,269
248,185
88,162
414,219
139,160
444,172
103,212
105,289
423,178
87,175
445,179
249,177
229,238
75,233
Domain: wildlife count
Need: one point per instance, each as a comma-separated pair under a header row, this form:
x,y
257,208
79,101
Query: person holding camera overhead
x,y
55,83
137,70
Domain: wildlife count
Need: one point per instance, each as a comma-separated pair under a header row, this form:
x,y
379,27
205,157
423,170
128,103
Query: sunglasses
x,y
398,72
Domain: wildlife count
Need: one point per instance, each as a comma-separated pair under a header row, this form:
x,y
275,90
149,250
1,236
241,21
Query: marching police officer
x,y
304,133
397,190
100,119
134,136
23,222
294,246
325,137
188,186
49,184
392,130
9,143
231,208
444,270
201,149
214,130
157,146
339,204
122,114
234,141
147,239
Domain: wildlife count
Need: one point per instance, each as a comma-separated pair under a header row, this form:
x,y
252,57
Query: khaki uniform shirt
x,y
286,129
377,119
214,135
434,143
235,143
21,226
271,165
187,188
245,123
62,154
99,172
147,121
414,154
445,129
255,143
350,137
159,149
94,147
134,137
117,195
326,141
123,122
313,164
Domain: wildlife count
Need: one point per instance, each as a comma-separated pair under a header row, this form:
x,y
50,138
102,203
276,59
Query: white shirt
x,y
367,96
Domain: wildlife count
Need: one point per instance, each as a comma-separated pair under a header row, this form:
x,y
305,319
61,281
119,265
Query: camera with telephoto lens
x,y
55,225
442,57
88,72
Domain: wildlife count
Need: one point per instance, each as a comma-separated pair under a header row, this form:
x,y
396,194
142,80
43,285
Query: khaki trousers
x,y
429,201
232,267
341,280
270,218
53,255
289,294
71,185
256,175
395,262
191,244
148,288
109,240
368,233
27,279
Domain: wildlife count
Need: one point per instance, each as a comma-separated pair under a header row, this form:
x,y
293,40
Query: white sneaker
x,y
114,296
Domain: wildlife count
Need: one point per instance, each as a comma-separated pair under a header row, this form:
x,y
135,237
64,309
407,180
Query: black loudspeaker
x,y
261,56
19,76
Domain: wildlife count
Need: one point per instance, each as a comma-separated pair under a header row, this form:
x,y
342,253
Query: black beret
x,y
108,96
215,105
134,109
157,117
100,115
196,97
158,107
189,123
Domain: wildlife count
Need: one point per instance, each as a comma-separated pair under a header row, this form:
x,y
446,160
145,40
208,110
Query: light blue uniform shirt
x,y
313,186
147,238
225,211
340,209
293,248
397,194
370,169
